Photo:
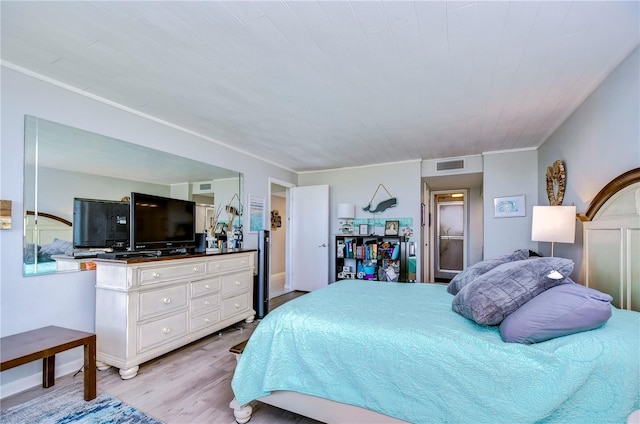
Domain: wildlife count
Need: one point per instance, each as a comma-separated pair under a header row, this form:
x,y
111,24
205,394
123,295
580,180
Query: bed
x,y
364,351
51,236
430,364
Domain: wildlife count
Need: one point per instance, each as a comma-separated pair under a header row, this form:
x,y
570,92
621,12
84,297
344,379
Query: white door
x,y
309,236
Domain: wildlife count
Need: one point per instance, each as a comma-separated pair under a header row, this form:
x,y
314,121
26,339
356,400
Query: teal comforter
x,y
400,350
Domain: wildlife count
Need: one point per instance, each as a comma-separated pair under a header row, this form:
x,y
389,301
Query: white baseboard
x,y
34,380
277,280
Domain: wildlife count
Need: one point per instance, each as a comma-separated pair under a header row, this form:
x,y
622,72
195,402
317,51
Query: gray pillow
x,y
471,273
57,247
560,311
496,294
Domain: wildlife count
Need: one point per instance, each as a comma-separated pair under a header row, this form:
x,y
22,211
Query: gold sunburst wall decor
x,y
556,182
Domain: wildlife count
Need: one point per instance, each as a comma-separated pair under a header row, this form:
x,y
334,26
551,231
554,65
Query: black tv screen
x,y
161,222
100,224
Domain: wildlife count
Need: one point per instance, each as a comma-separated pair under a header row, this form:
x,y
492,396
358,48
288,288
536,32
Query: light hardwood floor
x,y
189,385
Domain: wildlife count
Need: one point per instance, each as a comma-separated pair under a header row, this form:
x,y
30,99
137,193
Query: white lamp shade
x,y
346,210
554,223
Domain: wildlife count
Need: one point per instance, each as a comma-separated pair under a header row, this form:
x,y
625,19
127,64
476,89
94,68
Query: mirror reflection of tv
x,y
100,224
161,223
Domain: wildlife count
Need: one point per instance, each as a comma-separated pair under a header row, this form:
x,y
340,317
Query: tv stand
x,y
172,252
146,307
124,255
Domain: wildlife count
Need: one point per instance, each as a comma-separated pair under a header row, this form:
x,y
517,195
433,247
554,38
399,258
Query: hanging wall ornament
x,y
383,205
556,181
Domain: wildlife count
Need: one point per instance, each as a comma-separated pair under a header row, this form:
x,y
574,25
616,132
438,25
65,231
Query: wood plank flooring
x,y
189,385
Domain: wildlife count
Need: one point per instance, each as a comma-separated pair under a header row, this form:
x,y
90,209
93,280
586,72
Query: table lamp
x,y
346,212
555,224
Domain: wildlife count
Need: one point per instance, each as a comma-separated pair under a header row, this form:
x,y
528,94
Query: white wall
x,y
509,174
357,185
598,142
68,299
58,188
475,248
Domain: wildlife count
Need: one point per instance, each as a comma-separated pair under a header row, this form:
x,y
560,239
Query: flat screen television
x,y
161,223
100,224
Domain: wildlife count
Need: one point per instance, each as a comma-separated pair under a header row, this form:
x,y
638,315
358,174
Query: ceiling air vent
x,y
449,165
202,187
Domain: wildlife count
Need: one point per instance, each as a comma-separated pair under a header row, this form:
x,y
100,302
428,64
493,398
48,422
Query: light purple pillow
x,y
474,271
560,311
496,294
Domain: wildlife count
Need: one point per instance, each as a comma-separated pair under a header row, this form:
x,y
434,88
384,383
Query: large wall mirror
x,y
63,163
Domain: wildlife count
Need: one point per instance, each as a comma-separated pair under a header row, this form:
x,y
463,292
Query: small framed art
x,y
391,228
363,229
509,206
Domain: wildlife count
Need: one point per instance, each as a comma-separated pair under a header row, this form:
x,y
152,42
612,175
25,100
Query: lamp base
x,y
346,228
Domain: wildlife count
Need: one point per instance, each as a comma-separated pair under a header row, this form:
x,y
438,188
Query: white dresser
x,y
148,307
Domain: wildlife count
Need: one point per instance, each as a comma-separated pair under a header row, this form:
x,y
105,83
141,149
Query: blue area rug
x,y
67,405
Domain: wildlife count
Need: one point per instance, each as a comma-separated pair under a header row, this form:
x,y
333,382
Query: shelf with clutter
x,y
381,258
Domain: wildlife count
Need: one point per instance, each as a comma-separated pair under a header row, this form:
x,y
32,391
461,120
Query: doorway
x,y
278,247
449,234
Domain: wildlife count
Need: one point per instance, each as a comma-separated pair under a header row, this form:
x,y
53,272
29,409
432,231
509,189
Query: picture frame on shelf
x,y
391,228
363,229
509,206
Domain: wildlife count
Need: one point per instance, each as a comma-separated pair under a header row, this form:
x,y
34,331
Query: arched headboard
x,y
614,186
612,241
49,228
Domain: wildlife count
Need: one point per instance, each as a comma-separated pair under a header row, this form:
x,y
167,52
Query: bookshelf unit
x,y
370,258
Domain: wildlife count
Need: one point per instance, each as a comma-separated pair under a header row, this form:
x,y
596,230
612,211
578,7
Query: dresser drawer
x,y
235,261
205,320
205,303
163,273
210,285
156,333
236,283
155,302
235,305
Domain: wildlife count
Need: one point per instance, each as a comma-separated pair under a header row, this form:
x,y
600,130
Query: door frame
x,y
433,233
425,218
287,247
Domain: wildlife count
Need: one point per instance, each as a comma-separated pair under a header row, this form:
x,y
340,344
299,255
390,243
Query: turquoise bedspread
x,y
400,350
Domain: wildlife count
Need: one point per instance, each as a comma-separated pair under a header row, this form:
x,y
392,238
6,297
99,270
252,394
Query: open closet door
x,y
309,218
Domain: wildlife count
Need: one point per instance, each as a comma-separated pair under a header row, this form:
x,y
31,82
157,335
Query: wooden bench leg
x,y
48,371
90,370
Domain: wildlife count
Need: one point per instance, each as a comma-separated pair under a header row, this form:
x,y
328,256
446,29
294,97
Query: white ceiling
x,y
317,85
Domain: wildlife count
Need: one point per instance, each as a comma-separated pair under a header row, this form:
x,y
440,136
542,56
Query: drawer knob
x,y
166,330
167,300
207,286
237,305
237,283
206,302
206,320
156,275
217,266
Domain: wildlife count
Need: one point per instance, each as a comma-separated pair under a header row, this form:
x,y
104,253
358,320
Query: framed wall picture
x,y
391,228
363,229
256,213
509,206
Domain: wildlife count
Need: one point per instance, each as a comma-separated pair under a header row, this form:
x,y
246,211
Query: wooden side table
x,y
43,343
